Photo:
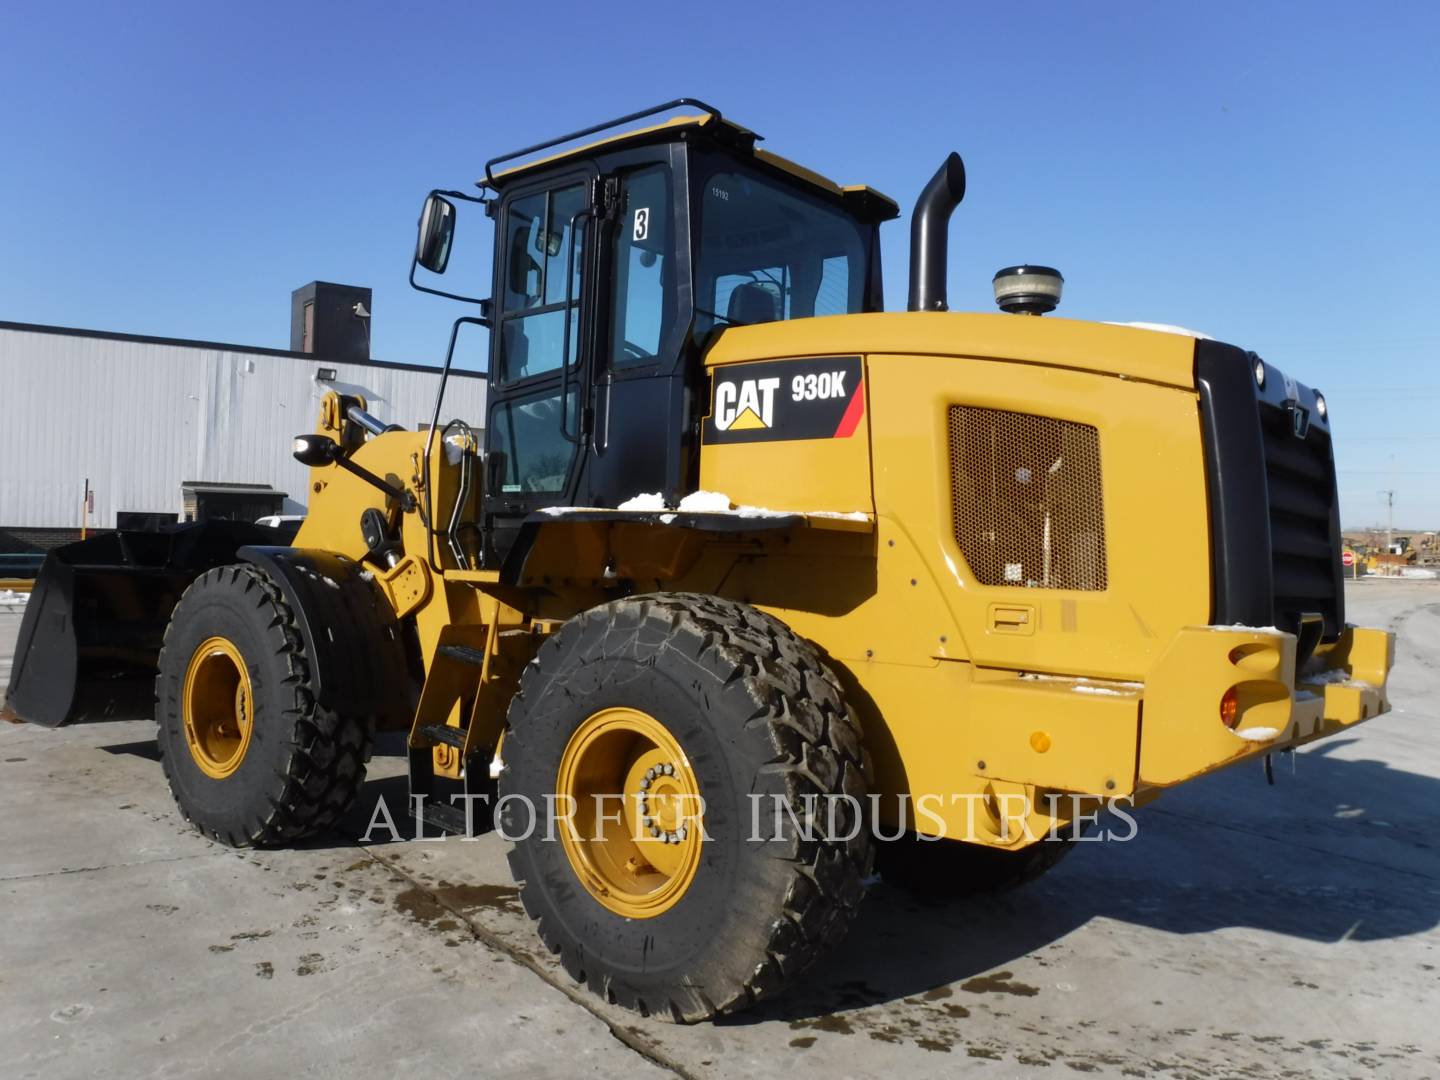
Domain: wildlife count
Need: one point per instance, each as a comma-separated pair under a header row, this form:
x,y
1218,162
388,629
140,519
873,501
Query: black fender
x,y
560,522
355,644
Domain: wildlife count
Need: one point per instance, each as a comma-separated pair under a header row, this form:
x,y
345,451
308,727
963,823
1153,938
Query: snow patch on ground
x,y
1251,629
1107,691
1259,734
10,596
1334,677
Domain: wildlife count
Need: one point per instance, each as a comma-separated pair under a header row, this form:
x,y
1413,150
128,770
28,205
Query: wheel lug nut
x,y
645,783
669,770
655,831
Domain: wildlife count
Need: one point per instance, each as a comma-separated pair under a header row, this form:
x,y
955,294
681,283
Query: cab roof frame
x,y
864,202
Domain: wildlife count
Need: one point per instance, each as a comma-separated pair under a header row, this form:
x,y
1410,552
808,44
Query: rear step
x,y
464,653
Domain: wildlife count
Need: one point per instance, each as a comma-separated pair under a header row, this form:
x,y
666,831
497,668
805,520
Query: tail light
x,y
1230,708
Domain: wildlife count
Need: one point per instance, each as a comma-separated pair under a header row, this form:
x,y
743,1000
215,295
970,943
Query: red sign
x,y
1347,559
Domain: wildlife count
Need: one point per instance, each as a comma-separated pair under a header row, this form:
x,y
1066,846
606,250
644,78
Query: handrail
x,y
589,214
678,103
430,437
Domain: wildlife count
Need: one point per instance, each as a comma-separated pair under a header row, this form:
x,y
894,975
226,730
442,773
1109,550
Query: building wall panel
x,y
139,418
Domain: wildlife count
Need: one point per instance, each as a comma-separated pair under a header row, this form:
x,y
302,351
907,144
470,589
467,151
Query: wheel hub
x,y
217,705
633,836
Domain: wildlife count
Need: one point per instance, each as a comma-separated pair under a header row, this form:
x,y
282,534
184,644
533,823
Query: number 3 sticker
x,y
642,222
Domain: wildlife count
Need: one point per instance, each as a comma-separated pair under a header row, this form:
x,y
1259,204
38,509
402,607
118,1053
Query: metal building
x,y
156,423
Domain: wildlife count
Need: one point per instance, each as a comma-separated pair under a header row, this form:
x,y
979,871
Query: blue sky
x,y
1265,172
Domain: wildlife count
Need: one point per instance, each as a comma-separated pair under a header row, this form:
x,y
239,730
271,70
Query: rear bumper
x,y
1116,739
1181,733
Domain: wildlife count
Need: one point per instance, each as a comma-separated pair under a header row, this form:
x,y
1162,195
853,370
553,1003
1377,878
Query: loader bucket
x,y
93,627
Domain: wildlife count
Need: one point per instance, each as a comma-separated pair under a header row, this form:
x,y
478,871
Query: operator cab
x,y
616,263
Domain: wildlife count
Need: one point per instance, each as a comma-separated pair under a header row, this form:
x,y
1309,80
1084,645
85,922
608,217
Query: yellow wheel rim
x,y
218,707
629,812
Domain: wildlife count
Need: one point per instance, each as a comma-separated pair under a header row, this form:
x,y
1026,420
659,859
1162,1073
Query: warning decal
x,y
817,398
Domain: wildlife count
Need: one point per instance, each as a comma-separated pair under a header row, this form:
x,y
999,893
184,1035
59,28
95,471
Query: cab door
x,y
541,351
643,404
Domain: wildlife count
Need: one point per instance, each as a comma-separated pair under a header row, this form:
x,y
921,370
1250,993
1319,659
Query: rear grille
x,y
1026,499
1274,512
1300,478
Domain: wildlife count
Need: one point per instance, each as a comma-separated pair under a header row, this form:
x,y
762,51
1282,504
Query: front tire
x,y
251,758
691,694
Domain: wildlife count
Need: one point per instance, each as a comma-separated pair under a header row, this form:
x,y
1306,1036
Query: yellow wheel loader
x,y
744,582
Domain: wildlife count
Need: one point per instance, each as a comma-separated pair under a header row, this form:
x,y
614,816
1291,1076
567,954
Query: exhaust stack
x,y
929,235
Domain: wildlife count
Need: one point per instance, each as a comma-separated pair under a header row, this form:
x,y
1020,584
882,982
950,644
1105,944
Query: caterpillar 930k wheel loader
x,y
738,552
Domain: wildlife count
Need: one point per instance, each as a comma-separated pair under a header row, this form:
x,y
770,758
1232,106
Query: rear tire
x,y
753,710
280,768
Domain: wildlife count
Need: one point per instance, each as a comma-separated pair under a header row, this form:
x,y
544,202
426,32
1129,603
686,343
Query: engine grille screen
x,y
1027,504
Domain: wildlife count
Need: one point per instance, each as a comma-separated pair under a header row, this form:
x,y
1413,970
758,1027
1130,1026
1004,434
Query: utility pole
x,y
1389,519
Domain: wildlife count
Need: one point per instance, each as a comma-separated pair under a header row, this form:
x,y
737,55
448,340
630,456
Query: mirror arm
x,y
415,259
415,262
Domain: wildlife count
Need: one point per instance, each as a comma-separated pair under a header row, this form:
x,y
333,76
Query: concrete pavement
x,y
1247,931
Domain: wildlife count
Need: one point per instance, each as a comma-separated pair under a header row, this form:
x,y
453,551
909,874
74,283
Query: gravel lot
x,y
1248,931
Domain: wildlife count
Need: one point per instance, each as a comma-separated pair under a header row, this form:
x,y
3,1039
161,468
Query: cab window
x,y
643,269
542,235
527,431
769,252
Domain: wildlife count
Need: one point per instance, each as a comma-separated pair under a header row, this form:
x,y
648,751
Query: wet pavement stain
x,y
835,1025
438,906
309,964
265,969
251,935
804,1042
999,983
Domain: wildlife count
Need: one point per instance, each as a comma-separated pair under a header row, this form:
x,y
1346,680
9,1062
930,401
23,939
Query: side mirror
x,y
437,229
